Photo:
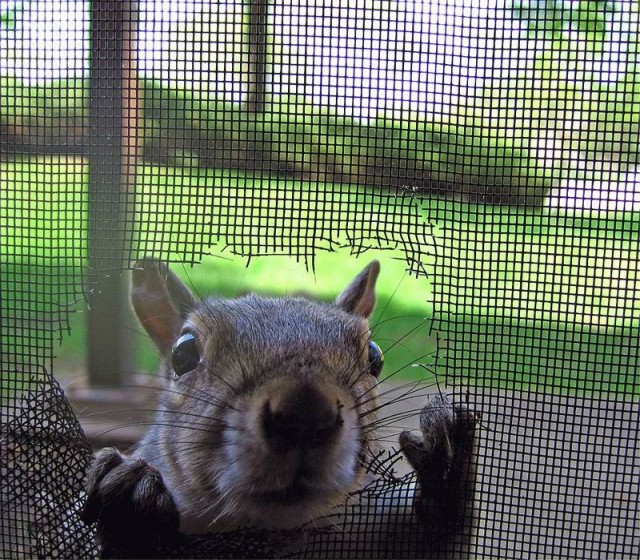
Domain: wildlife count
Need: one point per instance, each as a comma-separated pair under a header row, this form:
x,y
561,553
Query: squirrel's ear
x,y
359,297
161,301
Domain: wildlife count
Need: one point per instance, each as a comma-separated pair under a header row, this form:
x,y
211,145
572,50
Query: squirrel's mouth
x,y
292,504
290,495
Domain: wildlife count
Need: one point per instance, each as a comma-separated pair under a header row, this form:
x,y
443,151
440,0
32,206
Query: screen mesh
x,y
489,148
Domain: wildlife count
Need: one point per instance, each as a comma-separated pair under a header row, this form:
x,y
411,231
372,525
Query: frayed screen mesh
x,y
486,153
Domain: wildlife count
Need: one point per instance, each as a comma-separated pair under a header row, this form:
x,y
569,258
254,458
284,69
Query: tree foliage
x,y
555,19
587,75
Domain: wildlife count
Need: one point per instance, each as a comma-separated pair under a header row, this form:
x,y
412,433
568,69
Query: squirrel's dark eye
x,y
376,359
185,356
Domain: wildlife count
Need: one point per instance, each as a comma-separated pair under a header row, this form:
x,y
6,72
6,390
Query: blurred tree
x,y
10,14
585,76
554,19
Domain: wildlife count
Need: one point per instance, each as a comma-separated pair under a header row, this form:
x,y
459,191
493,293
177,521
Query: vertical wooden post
x,y
112,151
258,11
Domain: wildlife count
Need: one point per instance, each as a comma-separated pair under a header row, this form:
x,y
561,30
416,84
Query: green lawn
x,y
522,299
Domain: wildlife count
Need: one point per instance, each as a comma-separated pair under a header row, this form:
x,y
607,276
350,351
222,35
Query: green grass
x,y
523,299
45,212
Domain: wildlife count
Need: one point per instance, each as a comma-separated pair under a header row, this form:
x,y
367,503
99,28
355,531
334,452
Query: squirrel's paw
x,y
442,455
130,503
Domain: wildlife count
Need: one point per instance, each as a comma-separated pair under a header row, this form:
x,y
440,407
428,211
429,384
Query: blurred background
x,y
485,151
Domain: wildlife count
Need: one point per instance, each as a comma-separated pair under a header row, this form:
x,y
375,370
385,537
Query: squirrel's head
x,y
267,417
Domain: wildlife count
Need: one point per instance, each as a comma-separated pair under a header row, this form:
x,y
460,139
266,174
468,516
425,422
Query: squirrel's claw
x,y
130,503
443,458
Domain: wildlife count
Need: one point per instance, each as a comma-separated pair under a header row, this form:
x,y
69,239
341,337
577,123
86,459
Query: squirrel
x,y
267,422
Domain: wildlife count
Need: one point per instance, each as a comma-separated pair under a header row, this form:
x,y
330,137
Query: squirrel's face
x,y
266,420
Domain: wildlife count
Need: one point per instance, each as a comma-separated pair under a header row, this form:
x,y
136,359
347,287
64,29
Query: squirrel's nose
x,y
304,417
